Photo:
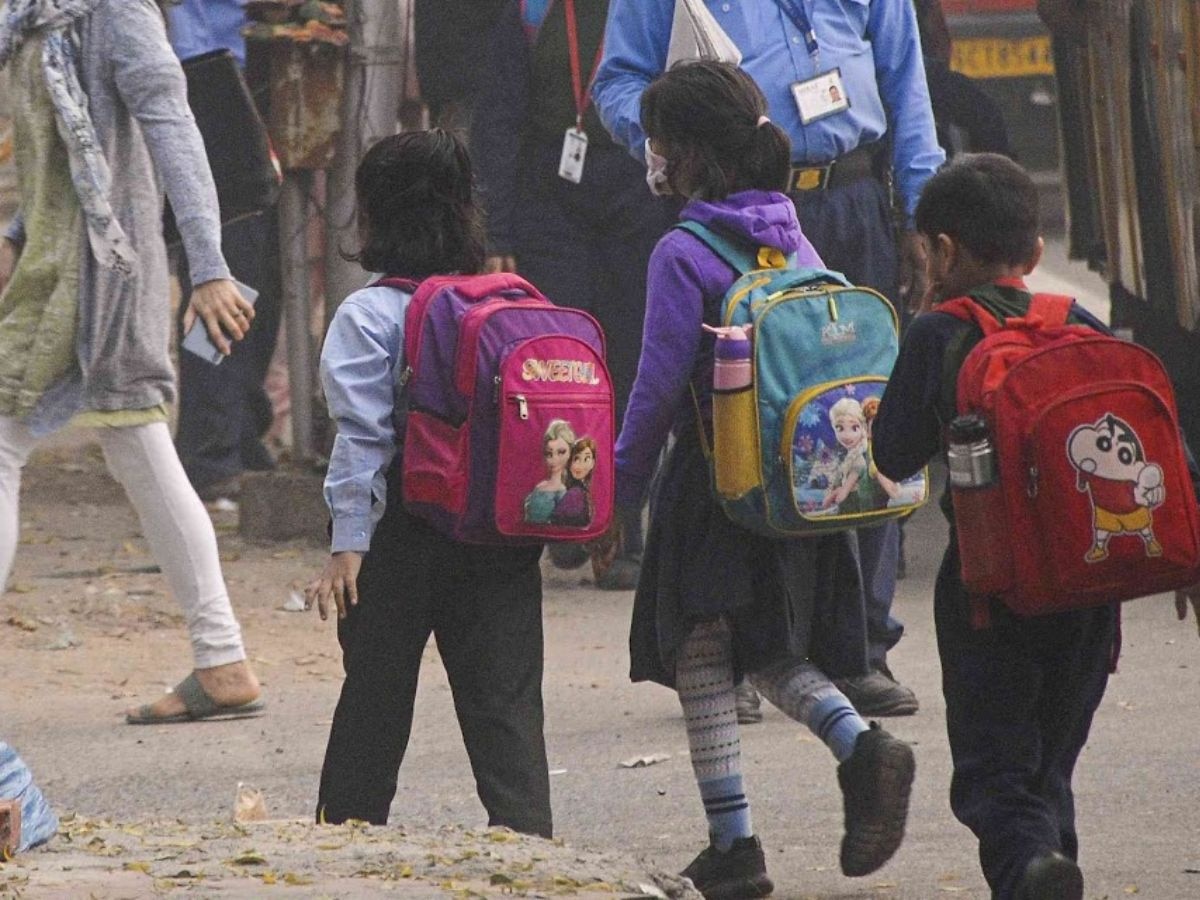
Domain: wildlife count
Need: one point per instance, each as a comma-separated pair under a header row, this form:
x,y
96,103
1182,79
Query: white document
x,y
695,34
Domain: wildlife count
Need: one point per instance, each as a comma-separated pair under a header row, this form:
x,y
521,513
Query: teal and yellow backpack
x,y
791,452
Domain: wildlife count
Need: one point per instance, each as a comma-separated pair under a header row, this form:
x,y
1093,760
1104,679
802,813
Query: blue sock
x,y
836,722
727,810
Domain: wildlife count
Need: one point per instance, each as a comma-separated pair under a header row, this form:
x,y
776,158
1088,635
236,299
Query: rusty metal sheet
x,y
306,83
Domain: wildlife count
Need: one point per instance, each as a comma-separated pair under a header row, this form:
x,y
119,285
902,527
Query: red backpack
x,y
1094,502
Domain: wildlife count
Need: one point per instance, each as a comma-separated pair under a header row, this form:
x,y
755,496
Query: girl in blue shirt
x,y
393,579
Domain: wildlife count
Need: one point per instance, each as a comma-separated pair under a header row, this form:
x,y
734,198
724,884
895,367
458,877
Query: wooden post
x,y
370,111
293,253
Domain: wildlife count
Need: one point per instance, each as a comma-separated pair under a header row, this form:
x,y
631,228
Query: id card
x,y
574,153
822,96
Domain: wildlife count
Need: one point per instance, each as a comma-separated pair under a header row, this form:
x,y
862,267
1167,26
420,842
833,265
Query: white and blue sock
x,y
704,680
806,694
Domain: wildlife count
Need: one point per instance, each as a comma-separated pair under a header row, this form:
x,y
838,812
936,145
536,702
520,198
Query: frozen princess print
x,y
1123,487
557,442
850,488
574,509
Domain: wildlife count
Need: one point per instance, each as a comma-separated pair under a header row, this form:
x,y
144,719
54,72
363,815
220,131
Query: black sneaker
x,y
876,784
748,703
1051,877
877,694
568,556
733,874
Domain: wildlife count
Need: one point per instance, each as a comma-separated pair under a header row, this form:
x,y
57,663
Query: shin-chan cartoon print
x,y
1123,487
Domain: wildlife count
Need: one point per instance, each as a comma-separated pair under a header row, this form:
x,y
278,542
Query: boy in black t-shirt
x,y
1021,693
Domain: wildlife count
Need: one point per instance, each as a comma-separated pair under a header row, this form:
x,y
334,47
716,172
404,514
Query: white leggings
x,y
176,525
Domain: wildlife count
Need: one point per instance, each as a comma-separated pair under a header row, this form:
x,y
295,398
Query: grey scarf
x,y
56,21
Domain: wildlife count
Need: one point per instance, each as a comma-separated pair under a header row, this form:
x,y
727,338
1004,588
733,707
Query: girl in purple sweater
x,y
716,602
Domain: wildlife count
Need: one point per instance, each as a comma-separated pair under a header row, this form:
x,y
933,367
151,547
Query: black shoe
x,y
225,489
622,575
878,694
568,556
748,703
1051,877
876,784
739,872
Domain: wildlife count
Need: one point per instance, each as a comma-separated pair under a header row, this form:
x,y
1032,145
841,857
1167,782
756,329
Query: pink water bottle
x,y
735,426
733,370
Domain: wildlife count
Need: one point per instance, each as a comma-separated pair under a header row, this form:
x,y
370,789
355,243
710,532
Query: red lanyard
x,y
583,96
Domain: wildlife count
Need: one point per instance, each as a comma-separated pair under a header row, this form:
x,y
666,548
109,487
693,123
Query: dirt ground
x,y
88,628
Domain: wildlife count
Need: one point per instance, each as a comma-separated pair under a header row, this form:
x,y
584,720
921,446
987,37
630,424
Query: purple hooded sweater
x,y
684,277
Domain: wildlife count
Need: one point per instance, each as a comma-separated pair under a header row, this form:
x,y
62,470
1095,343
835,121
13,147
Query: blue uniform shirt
x,y
200,26
361,364
874,43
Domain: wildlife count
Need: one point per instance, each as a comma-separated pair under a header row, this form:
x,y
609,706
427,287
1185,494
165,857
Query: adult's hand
x,y
225,312
9,254
1185,597
338,582
914,283
496,264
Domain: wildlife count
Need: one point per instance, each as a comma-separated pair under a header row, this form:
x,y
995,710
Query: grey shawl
x,y
143,131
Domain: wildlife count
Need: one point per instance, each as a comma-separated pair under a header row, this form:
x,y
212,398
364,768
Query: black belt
x,y
848,168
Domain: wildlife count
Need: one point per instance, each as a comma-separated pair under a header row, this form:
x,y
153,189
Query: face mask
x,y
656,173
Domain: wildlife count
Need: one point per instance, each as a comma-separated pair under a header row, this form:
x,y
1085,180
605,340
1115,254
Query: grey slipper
x,y
198,705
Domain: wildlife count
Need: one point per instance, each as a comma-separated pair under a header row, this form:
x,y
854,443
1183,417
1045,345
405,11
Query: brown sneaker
x,y
876,694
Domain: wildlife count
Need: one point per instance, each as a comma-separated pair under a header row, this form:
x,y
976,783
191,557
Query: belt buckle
x,y
811,178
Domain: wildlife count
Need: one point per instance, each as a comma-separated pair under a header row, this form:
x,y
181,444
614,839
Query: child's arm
x,y
908,430
358,363
670,343
358,366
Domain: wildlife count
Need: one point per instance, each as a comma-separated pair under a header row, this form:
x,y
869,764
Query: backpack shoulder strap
x,y
393,281
738,257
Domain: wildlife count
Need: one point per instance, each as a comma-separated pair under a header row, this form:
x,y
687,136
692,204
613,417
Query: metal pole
x,y
293,238
370,110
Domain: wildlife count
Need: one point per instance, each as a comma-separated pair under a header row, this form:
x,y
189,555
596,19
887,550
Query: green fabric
x,y
120,418
39,308
552,101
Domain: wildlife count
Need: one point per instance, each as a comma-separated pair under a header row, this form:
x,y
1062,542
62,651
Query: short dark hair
x,y
987,203
416,197
706,115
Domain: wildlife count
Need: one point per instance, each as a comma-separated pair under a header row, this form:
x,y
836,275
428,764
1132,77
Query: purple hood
x,y
763,218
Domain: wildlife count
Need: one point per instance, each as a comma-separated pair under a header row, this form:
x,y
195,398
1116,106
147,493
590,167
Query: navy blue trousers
x,y
852,228
223,410
1020,697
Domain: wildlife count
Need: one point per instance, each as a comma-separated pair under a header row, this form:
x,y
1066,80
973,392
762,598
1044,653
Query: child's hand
x,y
1183,598
338,582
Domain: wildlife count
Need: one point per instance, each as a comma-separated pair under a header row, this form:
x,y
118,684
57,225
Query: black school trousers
x,y
1020,696
483,605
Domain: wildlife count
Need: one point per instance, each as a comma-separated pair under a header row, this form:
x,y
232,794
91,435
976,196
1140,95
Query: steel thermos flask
x,y
979,515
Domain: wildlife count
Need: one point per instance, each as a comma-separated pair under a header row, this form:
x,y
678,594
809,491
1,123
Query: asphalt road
x,y
1138,782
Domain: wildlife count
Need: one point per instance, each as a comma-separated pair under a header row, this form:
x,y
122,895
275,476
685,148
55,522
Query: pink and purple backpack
x,y
509,436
